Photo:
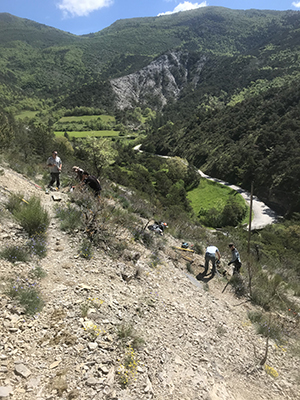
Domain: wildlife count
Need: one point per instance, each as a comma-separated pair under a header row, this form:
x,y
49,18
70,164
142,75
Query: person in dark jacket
x,y
92,182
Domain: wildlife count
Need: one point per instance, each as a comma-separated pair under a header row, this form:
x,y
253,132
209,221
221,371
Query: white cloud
x,y
297,5
185,7
81,8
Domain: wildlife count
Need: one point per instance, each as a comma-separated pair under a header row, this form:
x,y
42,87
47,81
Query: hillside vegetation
x,y
46,63
227,81
95,304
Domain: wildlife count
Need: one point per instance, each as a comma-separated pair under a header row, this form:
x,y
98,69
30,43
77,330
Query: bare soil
x,y
195,342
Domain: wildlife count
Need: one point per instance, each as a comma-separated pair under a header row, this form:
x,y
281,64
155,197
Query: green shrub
x,y
33,217
15,253
82,199
266,326
140,235
182,228
86,249
255,316
155,260
37,272
37,245
70,218
198,248
238,285
233,213
13,203
28,296
126,332
211,217
269,291
124,202
137,342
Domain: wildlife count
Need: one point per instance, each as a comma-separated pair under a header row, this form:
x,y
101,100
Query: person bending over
x,y
211,253
92,182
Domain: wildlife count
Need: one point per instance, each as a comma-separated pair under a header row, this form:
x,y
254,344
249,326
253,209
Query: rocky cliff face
x,y
162,80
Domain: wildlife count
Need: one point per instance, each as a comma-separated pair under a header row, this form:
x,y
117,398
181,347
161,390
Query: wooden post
x,y
250,218
249,240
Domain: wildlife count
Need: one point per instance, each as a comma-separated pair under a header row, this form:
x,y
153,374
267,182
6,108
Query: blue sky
x,y
86,16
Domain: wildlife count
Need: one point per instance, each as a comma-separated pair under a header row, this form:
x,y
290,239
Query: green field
x,y
26,114
104,118
214,195
84,134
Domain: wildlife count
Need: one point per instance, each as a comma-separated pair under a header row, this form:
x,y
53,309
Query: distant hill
x,y
224,84
40,62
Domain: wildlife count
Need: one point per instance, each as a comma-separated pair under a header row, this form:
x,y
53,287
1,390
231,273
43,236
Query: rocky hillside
x,y
159,82
128,328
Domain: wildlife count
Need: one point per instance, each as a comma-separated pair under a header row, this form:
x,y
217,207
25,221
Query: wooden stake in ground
x,y
249,240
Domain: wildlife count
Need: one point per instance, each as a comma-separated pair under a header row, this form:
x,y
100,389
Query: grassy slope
x,y
83,134
213,195
104,118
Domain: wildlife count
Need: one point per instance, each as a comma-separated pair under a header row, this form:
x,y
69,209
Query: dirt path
x,y
198,342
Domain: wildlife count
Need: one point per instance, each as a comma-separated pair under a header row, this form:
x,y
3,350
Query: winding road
x,y
262,214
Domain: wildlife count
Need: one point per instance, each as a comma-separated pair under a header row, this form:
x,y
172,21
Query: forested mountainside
x,y
256,140
40,61
224,85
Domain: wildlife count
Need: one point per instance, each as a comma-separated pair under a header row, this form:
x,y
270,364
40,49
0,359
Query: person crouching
x,y
92,182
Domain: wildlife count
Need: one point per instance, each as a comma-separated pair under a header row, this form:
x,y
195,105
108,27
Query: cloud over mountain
x,y
82,8
185,7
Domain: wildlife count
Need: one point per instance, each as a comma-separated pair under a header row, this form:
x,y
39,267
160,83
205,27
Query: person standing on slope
x,y
55,165
211,253
235,259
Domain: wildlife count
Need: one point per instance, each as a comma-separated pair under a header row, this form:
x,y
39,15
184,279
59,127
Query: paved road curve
x,y
262,214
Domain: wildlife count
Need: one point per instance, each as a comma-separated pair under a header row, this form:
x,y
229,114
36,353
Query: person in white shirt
x,y
211,254
55,165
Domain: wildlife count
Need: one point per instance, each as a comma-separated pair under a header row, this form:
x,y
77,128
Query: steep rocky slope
x,y
198,342
161,81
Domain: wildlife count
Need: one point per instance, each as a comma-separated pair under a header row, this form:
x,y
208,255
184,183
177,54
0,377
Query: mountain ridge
x,y
247,57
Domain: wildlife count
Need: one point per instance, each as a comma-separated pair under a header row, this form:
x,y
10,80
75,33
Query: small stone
x,y
33,383
148,387
73,394
55,364
92,382
92,345
12,330
5,391
22,370
104,369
